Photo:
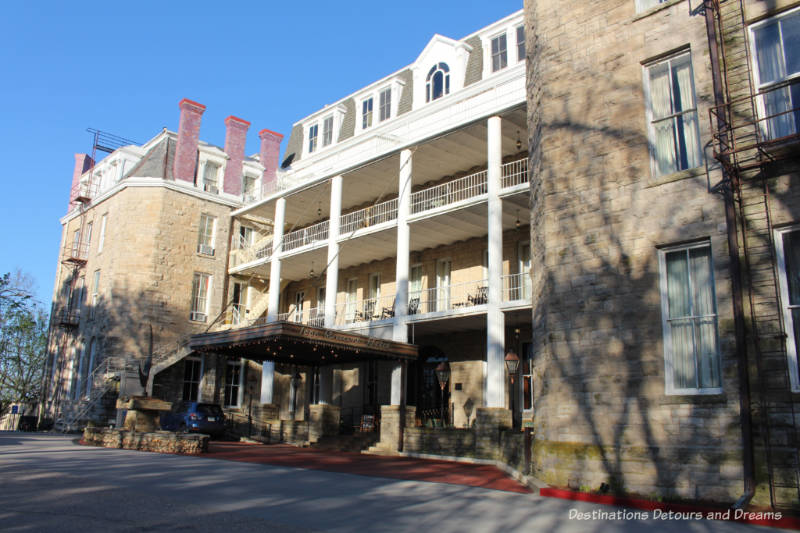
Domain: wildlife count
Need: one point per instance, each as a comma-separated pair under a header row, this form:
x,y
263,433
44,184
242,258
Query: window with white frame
x,y
90,366
520,43
239,303
350,299
76,243
385,107
245,237
327,131
366,113
249,184
88,233
414,289
211,177
672,115
689,320
192,374
644,5
371,307
437,83
788,251
102,240
527,376
233,383
776,42
205,236
201,285
499,53
312,138
299,300
95,293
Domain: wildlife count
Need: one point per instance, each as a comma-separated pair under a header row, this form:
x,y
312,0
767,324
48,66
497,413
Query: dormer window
x,y
520,43
312,138
327,131
249,184
210,177
499,53
366,113
437,84
385,104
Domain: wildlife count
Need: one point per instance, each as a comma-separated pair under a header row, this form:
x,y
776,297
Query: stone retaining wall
x,y
159,441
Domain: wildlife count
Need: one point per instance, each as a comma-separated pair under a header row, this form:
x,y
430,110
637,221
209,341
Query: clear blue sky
x,y
123,67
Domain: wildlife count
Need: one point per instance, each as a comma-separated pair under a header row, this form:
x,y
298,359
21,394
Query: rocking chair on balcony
x,y
481,297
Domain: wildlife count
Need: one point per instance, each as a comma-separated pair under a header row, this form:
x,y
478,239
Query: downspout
x,y
731,183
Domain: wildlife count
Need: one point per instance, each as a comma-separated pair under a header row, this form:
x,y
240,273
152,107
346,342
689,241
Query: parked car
x,y
195,417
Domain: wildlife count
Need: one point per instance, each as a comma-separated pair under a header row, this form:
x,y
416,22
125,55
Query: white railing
x,y
238,313
446,297
245,251
301,237
77,251
515,173
516,287
369,216
284,317
86,189
365,310
449,193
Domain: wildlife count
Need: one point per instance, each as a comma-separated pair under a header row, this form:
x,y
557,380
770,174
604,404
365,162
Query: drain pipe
x,y
729,184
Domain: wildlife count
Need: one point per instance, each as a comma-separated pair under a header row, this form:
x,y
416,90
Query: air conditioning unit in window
x,y
208,187
205,249
197,316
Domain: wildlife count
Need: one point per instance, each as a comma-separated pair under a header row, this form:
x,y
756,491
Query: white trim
x,y
791,348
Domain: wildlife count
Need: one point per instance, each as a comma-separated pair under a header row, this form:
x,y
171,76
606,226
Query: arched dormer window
x,y
437,84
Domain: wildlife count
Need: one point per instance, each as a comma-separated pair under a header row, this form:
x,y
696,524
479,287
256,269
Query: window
x,y
205,237
312,138
76,243
83,375
88,234
192,374
233,384
239,303
437,84
95,293
644,5
520,43
672,115
371,306
210,175
527,376
249,188
327,131
350,299
414,289
385,104
499,53
788,248
90,366
525,270
299,299
201,284
366,113
245,237
102,234
689,321
442,301
777,57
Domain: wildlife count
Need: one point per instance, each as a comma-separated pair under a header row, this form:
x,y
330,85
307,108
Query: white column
x,y
400,330
275,263
332,270
267,380
397,383
495,321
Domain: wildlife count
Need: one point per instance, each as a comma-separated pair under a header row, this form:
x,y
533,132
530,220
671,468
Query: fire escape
x,y
754,140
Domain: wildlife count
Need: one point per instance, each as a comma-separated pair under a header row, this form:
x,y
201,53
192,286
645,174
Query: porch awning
x,y
292,343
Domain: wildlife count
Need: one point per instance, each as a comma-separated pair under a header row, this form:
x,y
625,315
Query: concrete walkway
x,y
49,483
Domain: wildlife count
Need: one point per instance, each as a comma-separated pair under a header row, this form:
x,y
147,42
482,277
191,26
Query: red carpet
x,y
473,475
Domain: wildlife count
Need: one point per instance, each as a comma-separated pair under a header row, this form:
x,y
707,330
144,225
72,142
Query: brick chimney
x,y
82,163
235,139
270,152
188,135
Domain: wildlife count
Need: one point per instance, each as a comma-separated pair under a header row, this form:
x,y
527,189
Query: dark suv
x,y
195,417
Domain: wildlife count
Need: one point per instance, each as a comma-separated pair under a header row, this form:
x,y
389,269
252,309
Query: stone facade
x,y
159,441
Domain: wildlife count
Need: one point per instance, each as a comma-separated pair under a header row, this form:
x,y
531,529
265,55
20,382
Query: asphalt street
x,y
50,483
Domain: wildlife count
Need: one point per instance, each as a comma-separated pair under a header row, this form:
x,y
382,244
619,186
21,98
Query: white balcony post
x,y
332,269
495,321
267,380
275,263
400,330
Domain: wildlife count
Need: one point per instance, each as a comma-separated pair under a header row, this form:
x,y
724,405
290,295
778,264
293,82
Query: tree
x,y
23,342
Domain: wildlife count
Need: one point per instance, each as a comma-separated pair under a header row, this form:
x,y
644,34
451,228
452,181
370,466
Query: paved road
x,y
48,483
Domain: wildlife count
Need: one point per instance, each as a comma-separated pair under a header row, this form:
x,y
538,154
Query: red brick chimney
x,y
235,139
270,152
82,163
188,135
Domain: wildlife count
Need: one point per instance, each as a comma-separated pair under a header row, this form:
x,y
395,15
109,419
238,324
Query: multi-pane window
x,y
527,376
205,236
777,71
192,374
644,5
211,177
233,384
201,284
366,113
385,104
88,234
371,307
102,234
672,115
245,237
443,268
350,299
414,289
499,53
327,131
437,83
299,299
95,292
788,248
239,303
249,187
520,43
312,138
689,321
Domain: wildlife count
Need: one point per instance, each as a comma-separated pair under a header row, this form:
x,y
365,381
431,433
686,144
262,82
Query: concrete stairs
x,y
357,442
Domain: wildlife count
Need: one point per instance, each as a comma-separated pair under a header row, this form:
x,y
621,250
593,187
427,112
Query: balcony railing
x,y
246,251
302,237
76,252
449,193
517,287
515,173
369,216
450,297
85,190
70,317
365,310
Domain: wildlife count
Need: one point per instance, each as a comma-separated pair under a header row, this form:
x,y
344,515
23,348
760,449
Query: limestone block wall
x,y
598,220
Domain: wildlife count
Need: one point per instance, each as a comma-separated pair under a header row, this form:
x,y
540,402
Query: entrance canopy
x,y
292,343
